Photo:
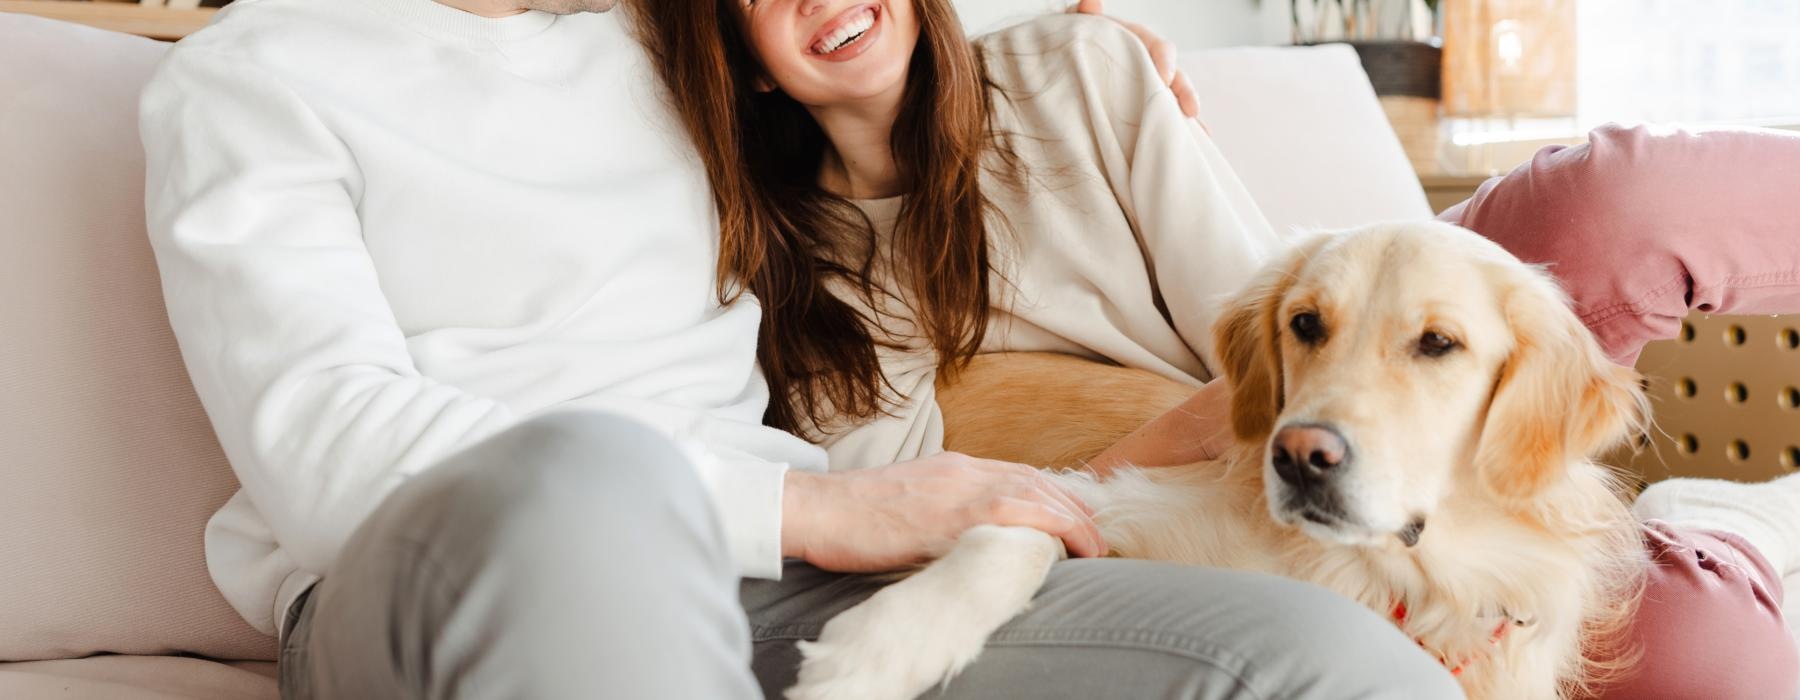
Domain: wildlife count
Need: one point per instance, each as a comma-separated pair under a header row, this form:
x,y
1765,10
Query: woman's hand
x,y
1196,431
902,514
1162,53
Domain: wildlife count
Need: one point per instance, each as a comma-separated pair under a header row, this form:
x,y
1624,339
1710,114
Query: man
x,y
443,275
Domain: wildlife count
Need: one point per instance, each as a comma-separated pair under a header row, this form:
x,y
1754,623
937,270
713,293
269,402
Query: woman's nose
x,y
809,8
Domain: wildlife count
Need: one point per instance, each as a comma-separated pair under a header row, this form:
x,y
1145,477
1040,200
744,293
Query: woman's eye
x,y
1434,344
1308,327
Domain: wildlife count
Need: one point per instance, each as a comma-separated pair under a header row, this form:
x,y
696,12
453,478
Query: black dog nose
x,y
1303,453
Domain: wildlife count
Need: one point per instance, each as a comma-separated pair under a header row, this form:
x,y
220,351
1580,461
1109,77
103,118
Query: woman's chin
x,y
850,85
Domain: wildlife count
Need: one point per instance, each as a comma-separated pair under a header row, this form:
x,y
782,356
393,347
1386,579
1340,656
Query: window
x,y
1714,62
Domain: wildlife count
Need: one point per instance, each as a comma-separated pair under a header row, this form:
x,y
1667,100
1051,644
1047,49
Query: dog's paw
x,y
831,672
927,628
879,651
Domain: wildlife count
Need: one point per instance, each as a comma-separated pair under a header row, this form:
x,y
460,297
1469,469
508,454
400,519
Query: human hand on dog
x,y
903,514
1198,430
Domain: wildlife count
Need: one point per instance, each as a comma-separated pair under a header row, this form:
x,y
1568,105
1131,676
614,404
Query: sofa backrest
x,y
1304,131
108,466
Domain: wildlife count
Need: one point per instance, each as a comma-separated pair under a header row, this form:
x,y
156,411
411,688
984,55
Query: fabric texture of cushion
x,y
1306,134
108,467
139,678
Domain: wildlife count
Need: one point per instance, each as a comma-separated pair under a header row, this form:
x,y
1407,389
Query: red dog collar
x,y
1507,622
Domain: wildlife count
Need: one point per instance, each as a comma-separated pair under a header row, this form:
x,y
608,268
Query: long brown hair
x,y
783,238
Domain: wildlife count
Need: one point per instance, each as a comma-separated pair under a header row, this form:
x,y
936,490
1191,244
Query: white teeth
x,y
841,37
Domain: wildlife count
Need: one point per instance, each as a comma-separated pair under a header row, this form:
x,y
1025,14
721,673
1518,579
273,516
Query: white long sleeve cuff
x,y
747,495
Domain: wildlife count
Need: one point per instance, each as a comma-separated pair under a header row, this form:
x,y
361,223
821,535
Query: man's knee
x,y
586,465
577,450
537,536
589,450
564,479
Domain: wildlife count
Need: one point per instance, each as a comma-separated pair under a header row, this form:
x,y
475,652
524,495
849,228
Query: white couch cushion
x,y
1304,131
108,466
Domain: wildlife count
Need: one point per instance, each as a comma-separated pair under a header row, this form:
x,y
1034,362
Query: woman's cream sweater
x,y
1127,233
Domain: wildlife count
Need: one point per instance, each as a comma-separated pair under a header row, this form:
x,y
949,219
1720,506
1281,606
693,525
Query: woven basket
x,y
1402,68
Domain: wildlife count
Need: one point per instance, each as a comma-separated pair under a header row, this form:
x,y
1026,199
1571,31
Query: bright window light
x,y
1711,62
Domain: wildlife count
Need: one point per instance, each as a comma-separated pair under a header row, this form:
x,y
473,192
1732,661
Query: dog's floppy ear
x,y
1252,360
1558,398
1246,336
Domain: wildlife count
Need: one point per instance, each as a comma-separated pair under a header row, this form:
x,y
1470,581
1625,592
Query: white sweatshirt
x,y
388,229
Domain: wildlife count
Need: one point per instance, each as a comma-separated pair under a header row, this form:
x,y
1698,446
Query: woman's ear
x,y
1247,337
1558,399
763,83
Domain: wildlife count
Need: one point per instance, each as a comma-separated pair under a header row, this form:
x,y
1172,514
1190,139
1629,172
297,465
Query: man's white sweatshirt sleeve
x,y
273,298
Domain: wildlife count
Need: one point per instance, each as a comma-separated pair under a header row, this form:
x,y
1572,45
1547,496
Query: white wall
x,y
1190,24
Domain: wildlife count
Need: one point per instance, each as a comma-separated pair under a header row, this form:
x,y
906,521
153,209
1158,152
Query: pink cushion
x,y
108,466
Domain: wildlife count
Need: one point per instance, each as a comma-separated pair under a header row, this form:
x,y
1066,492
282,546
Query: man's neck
x,y
485,8
859,163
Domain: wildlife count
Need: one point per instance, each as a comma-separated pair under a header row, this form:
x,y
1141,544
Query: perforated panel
x,y
1726,396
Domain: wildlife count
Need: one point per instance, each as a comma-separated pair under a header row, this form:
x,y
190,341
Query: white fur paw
x,y
927,628
879,651
832,674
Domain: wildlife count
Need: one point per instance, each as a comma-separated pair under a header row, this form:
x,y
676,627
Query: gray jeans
x,y
577,556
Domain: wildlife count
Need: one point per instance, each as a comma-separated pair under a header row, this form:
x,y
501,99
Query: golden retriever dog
x,y
1415,413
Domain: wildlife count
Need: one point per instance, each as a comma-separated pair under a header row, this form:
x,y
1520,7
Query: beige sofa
x,y
108,467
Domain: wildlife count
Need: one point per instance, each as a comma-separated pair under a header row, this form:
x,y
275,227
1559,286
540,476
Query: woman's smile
x,y
833,53
848,35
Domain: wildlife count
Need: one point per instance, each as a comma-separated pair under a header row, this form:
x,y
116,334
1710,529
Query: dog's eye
x,y
1435,344
1308,327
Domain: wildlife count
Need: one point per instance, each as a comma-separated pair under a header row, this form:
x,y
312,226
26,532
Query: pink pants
x,y
1642,228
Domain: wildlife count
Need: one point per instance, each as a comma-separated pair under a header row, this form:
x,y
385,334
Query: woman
x,y
899,200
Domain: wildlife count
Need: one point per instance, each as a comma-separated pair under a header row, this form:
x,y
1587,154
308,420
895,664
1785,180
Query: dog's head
x,y
1386,367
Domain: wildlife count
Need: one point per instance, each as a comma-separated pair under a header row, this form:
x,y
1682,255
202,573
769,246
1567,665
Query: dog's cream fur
x,y
1488,445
